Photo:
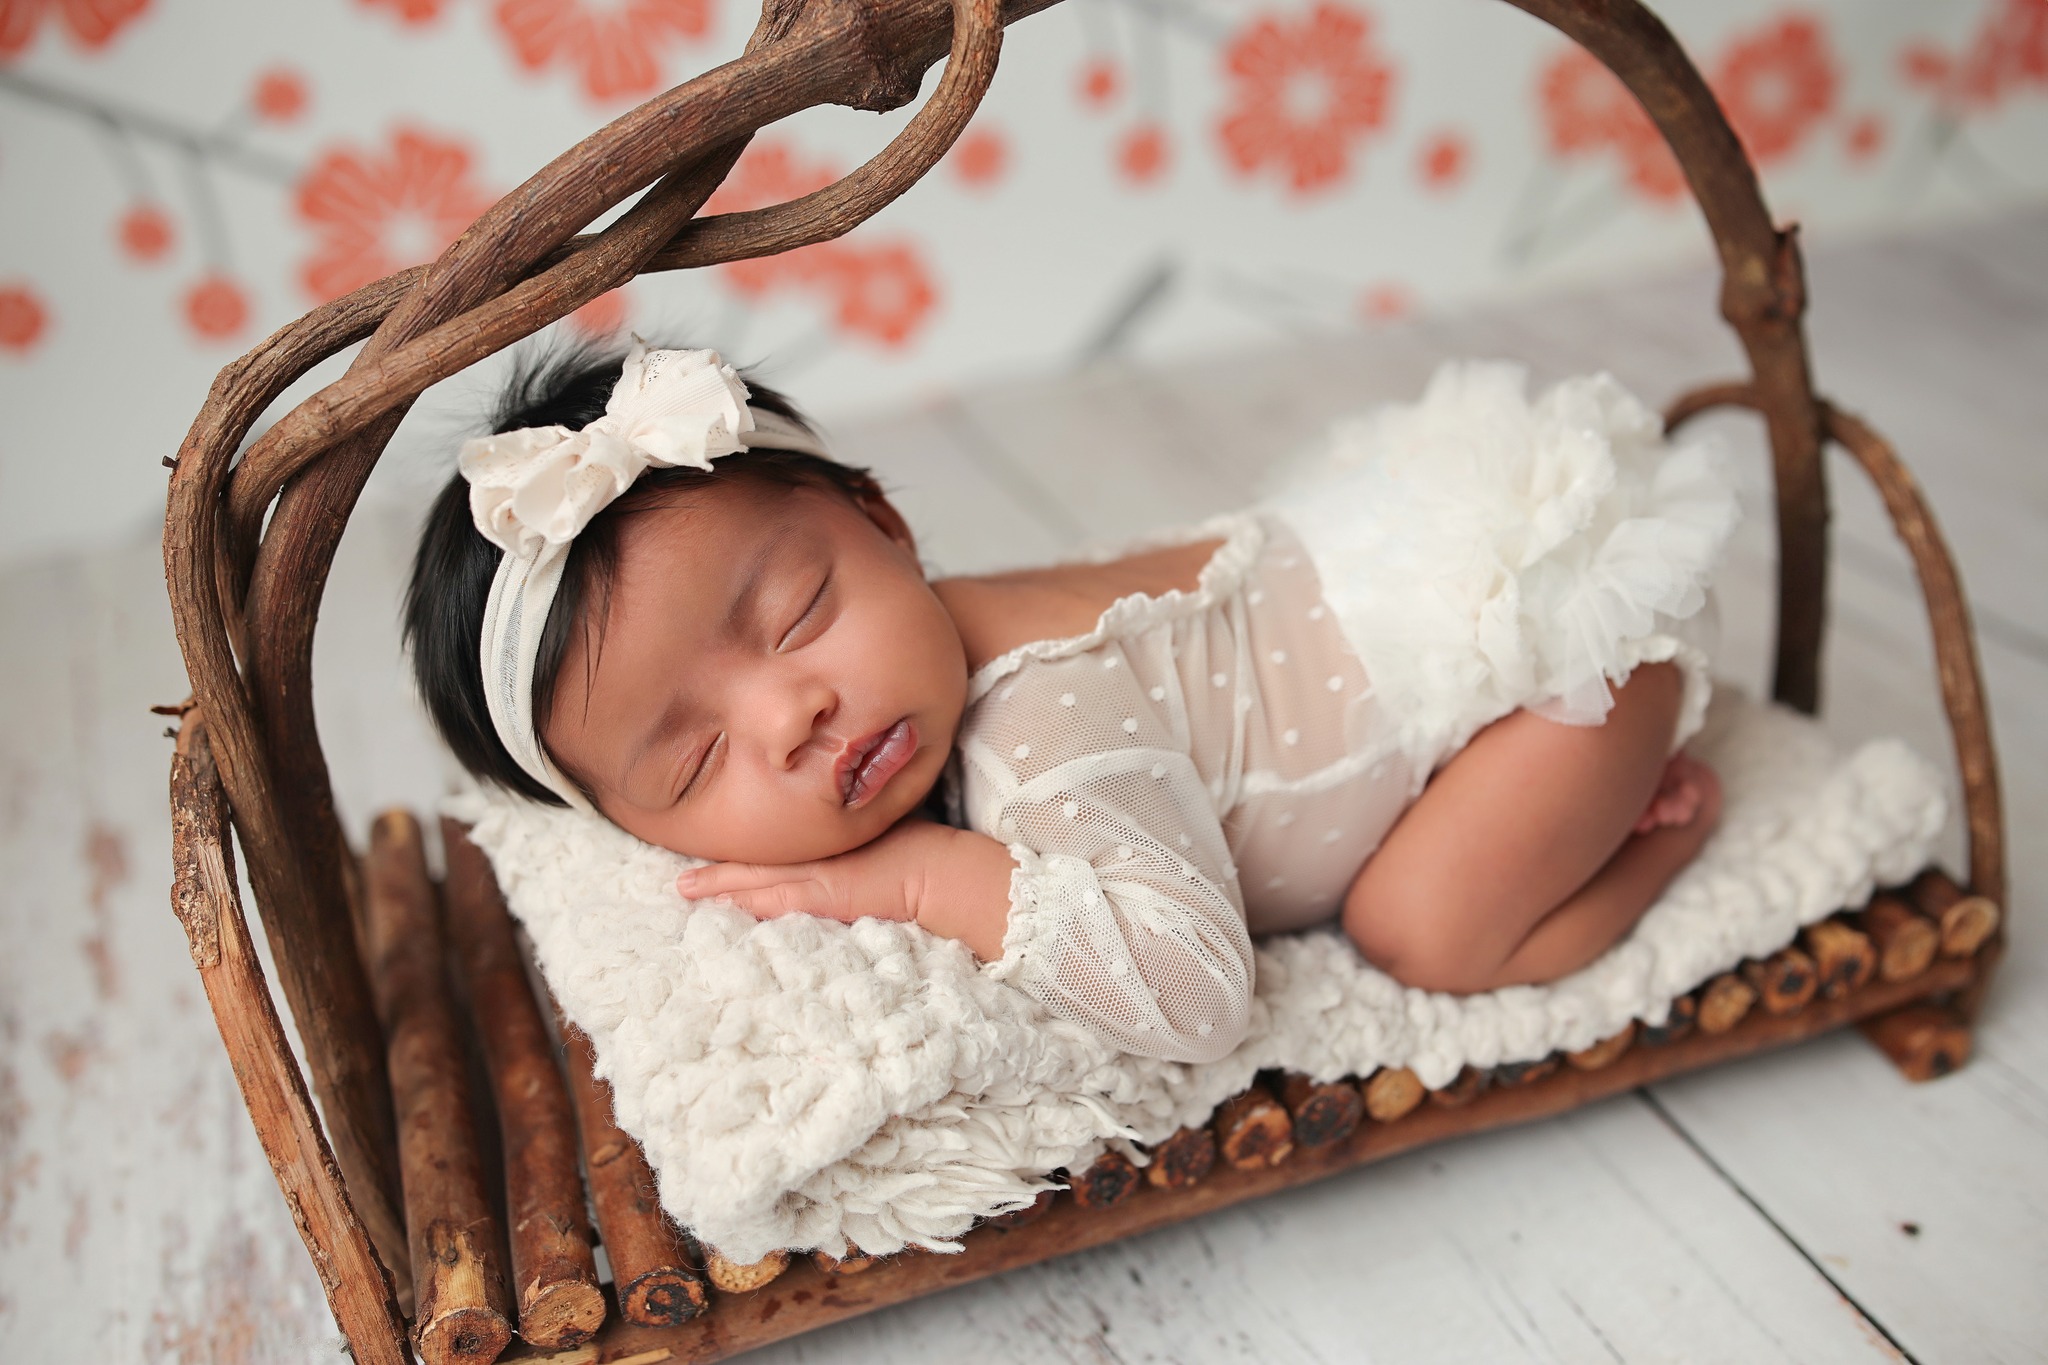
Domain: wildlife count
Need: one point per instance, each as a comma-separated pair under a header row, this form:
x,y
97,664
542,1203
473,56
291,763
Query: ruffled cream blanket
x,y
802,1083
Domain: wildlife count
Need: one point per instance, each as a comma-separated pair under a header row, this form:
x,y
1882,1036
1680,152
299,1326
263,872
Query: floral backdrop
x,y
1147,177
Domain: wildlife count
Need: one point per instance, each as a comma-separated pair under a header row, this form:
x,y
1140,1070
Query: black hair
x,y
454,565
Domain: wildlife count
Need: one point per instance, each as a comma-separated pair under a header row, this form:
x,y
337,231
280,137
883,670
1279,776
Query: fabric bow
x,y
538,487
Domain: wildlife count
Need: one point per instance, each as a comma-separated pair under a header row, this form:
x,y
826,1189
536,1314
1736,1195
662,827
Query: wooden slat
x,y
803,1298
463,1311
554,1275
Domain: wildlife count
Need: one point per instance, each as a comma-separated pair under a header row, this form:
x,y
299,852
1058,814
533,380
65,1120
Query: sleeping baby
x,y
1435,688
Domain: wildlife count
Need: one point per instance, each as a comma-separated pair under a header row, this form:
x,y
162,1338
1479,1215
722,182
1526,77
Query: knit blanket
x,y
802,1083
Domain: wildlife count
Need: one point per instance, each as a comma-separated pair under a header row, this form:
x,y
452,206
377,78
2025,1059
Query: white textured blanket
x,y
802,1083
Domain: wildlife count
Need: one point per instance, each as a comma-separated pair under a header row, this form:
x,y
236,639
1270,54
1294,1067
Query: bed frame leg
x,y
1925,1041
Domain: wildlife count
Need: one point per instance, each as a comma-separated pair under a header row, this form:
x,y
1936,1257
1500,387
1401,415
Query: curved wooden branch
x,y
1948,615
204,896
615,256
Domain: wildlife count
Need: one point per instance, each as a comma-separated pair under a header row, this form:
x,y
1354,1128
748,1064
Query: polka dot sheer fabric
x,y
1218,762
1202,766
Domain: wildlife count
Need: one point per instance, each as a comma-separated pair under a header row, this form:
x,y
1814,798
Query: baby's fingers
x,y
717,879
785,898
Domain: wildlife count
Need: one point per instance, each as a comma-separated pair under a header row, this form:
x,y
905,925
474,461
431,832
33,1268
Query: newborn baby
x,y
1435,687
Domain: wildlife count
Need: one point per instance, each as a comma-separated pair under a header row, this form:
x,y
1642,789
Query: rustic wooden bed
x,y
443,1201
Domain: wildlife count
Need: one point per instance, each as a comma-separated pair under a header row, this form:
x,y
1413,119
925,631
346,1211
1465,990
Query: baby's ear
x,y
883,514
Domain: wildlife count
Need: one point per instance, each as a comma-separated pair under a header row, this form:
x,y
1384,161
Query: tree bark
x,y
554,1274
1322,1112
1843,956
1253,1130
654,1272
1784,981
463,1309
1906,940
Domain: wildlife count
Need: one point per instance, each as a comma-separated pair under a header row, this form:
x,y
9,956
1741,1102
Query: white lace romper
x,y
1210,764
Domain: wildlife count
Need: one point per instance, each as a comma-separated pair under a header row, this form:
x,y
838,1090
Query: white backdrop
x,y
1148,177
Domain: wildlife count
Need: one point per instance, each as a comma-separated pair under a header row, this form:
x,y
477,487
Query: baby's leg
x,y
1520,861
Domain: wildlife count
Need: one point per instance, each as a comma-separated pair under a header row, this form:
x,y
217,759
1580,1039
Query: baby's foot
x,y
1680,794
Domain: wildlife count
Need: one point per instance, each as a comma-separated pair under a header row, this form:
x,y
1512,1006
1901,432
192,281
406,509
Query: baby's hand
x,y
883,879
952,881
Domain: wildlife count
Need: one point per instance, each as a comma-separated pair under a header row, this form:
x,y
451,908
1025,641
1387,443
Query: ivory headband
x,y
532,491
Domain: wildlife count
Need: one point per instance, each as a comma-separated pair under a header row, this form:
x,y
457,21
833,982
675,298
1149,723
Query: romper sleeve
x,y
1125,912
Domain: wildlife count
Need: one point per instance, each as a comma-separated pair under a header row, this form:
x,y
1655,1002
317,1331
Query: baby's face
x,y
775,680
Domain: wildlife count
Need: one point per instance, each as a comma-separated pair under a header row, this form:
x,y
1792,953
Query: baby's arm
x,y
954,882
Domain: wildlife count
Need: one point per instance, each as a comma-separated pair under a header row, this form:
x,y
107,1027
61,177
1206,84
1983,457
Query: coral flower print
x,y
980,157
615,47
408,11
1587,110
22,318
1101,81
93,23
884,293
379,212
2009,50
1776,85
1443,160
216,308
1141,154
771,172
1304,92
145,233
279,95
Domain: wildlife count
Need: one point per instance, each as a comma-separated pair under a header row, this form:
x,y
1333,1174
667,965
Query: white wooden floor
x,y
1805,1207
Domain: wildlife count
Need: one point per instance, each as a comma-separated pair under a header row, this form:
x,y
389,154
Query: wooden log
x,y
1683,1018
1462,1090
655,1270
1925,1042
853,1263
1724,1002
1784,981
1604,1053
1906,940
1843,956
1109,1180
463,1309
1253,1129
1322,1112
731,1277
1182,1160
1965,921
1524,1073
1017,1218
1392,1092
554,1274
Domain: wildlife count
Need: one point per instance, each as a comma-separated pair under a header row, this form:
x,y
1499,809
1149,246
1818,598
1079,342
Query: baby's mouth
x,y
866,767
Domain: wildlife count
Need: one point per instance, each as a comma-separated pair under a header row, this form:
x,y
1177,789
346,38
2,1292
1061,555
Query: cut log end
x,y
1784,981
1392,1093
1925,1042
1524,1073
1725,1002
732,1277
1906,940
1964,920
1109,1180
667,1297
567,1312
853,1263
464,1336
1844,958
1182,1160
1679,1023
1464,1088
1604,1053
1253,1130
1323,1112
1030,1213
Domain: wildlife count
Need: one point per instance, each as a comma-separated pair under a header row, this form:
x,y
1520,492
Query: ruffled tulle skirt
x,y
1484,552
